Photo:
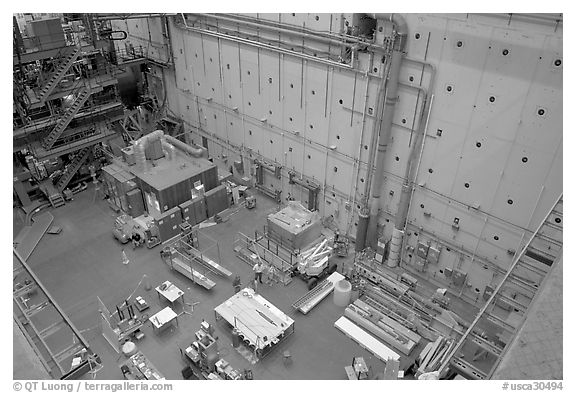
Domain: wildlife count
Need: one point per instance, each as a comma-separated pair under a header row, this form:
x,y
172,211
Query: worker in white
x,y
125,259
258,269
272,275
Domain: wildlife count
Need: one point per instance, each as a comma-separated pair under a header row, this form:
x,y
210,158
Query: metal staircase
x,y
72,168
80,97
68,56
477,354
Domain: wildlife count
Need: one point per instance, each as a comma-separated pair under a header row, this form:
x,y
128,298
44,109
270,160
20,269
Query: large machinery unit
x,y
294,226
166,179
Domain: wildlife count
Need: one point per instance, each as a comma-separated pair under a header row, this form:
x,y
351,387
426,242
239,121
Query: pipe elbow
x,y
399,23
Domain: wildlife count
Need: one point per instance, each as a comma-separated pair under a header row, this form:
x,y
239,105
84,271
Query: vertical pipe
x,y
383,140
361,232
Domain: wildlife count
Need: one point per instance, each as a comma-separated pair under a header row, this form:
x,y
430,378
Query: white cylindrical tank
x,y
395,245
342,292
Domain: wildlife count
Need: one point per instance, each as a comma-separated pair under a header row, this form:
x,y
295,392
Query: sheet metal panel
x,y
292,95
135,202
342,134
271,108
188,212
315,92
196,64
199,206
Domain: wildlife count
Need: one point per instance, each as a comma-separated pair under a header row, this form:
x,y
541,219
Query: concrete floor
x,y
84,262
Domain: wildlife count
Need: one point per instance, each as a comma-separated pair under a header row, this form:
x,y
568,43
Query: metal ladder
x,y
79,99
69,55
73,167
516,292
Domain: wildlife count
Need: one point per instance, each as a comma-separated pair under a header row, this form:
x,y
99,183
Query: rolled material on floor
x,y
342,293
395,246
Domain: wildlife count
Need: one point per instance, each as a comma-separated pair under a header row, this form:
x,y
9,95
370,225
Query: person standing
x,y
258,269
125,259
237,284
271,275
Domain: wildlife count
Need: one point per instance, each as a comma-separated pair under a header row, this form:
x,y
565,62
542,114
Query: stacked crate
x,y
216,200
117,182
169,223
135,202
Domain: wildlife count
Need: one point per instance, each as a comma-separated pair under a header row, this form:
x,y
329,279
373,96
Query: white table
x,y
259,322
170,292
163,318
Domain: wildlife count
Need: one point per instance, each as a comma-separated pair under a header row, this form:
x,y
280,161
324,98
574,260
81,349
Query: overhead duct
x,y
195,152
169,149
401,31
140,147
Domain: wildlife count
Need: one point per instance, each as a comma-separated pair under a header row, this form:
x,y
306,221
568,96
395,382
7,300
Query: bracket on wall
x,y
313,189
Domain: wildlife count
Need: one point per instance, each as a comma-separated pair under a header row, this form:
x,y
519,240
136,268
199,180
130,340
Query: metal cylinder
x,y
235,338
196,152
361,231
169,149
395,246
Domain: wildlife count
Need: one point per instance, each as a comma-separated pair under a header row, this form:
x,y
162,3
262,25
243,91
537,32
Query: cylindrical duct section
x,y
140,155
395,246
236,338
342,293
140,148
169,150
363,216
184,147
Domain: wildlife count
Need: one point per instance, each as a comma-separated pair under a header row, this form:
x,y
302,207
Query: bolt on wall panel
x,y
313,161
292,95
517,197
338,171
231,75
250,81
271,108
212,66
407,108
426,37
552,189
294,157
188,108
513,55
341,132
195,60
235,129
437,171
490,158
550,64
315,96
495,242
455,93
178,49
470,225
466,44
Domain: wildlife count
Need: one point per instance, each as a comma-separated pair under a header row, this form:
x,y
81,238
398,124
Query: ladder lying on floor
x,y
516,291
